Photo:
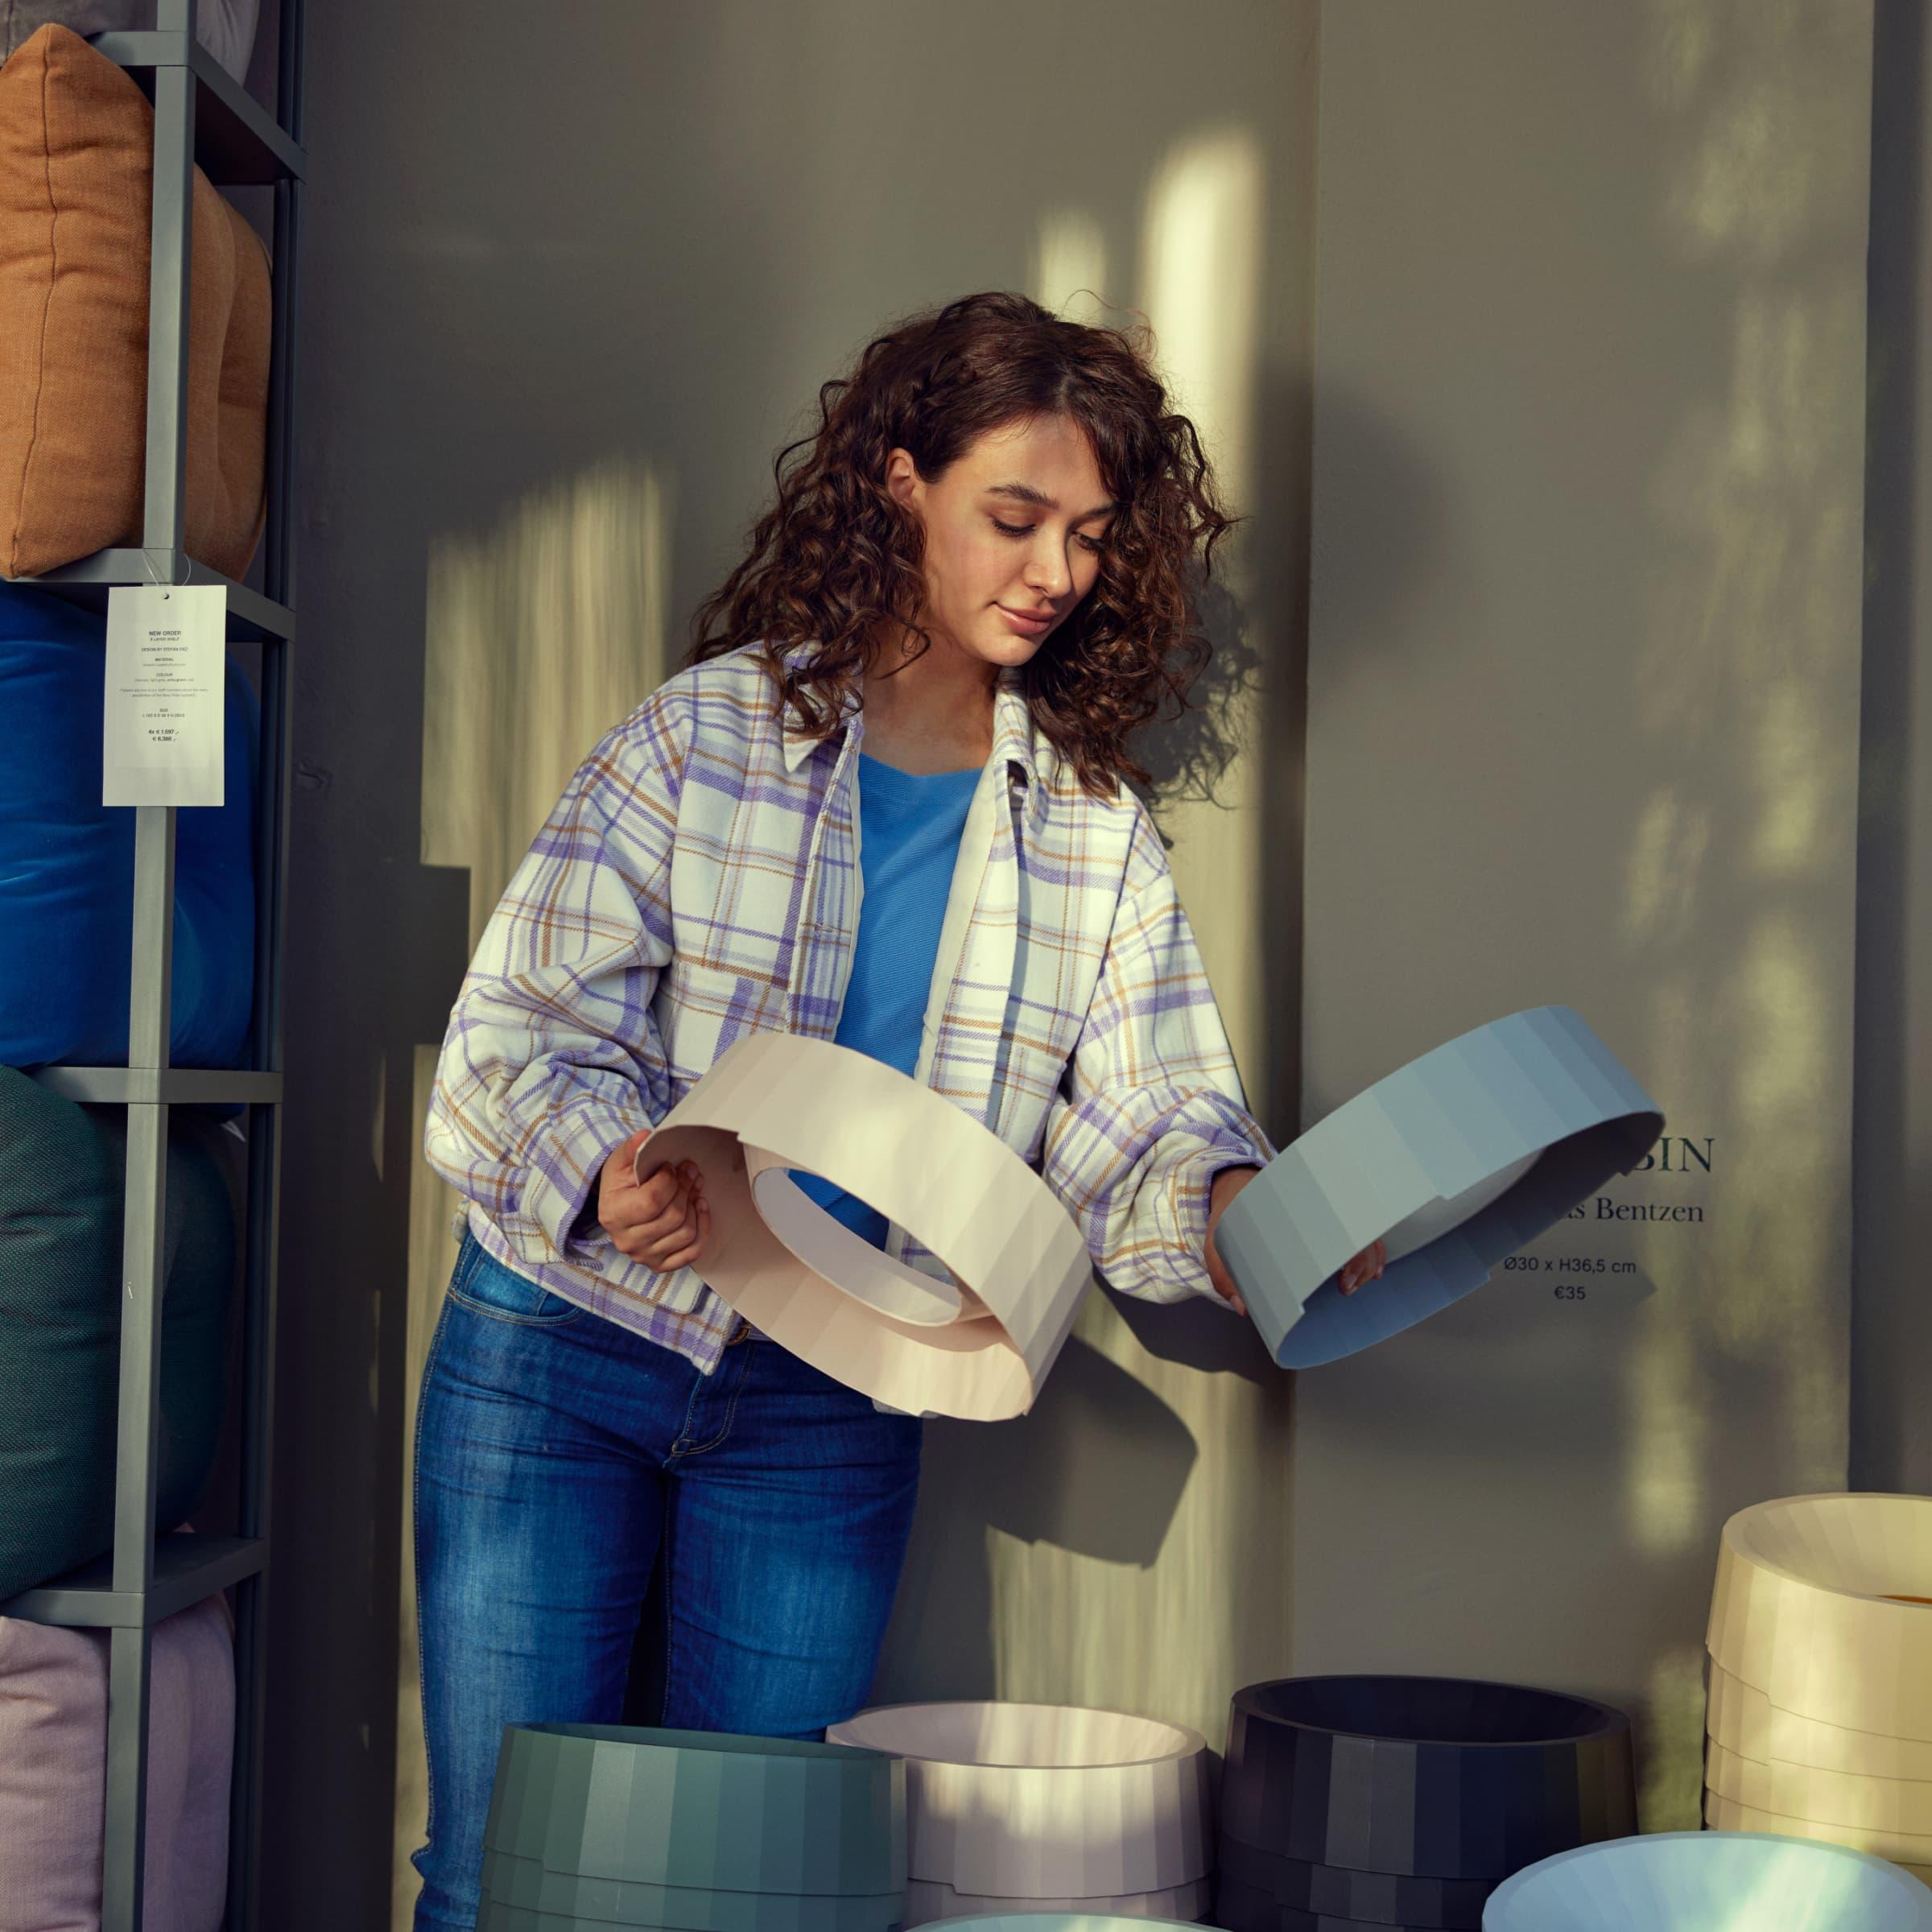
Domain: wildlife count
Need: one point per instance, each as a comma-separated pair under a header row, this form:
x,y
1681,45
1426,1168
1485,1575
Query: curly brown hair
x,y
837,559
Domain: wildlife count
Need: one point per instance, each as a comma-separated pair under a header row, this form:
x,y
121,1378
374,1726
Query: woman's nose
x,y
1048,577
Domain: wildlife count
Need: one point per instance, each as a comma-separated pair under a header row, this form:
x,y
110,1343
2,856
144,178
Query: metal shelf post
x,y
201,117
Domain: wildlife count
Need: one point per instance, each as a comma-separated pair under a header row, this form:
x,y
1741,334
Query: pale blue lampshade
x,y
1456,1161
1065,1922
1710,1882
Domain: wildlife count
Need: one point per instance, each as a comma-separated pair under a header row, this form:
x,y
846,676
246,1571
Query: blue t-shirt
x,y
910,825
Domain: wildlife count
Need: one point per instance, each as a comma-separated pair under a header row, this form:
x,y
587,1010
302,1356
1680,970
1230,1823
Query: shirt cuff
x,y
1190,1192
564,1171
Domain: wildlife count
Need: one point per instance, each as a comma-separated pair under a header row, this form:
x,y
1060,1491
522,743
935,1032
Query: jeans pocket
x,y
483,1286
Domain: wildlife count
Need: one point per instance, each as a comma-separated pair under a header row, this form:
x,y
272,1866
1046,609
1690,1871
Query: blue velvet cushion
x,y
66,861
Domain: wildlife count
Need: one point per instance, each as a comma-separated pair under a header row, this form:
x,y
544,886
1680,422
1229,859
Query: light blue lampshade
x,y
1064,1922
1457,1160
1710,1882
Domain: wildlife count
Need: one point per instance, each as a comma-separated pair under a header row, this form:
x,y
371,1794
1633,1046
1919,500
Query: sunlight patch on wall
x,y
1671,1778
1069,271
1661,897
1200,271
1801,780
378,1118
1667,1383
1201,267
1670,1424
541,635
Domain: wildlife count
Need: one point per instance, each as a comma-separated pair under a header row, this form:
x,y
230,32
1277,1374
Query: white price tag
x,y
161,719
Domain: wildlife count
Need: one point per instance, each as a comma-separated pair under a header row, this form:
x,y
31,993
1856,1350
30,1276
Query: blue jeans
x,y
559,1458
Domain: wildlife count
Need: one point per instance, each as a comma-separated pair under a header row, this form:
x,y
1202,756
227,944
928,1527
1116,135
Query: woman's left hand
x,y
1227,1184
1363,1267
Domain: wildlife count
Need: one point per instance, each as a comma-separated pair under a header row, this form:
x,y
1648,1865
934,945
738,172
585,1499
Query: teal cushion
x,y
61,1177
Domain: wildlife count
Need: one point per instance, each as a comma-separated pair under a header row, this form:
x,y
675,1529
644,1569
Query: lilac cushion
x,y
53,1773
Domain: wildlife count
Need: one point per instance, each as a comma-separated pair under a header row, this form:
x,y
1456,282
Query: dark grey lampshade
x,y
1423,1777
1270,1917
1253,1885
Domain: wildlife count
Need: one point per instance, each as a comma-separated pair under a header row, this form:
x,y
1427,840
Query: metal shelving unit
x,y
201,117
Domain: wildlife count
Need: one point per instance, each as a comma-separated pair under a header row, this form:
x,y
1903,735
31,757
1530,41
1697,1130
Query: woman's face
x,y
1014,529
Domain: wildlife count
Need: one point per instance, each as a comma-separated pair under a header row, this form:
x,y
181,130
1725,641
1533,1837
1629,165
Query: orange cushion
x,y
77,143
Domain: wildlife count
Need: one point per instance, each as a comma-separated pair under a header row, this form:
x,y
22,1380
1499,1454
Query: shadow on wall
x,y
1097,1468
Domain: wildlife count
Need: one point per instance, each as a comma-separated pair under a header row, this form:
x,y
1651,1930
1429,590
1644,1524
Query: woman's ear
x,y
902,474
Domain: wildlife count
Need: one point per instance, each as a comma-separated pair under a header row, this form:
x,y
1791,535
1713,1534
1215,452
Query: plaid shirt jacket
x,y
700,878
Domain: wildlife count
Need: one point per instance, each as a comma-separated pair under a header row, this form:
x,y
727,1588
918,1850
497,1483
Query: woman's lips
x,y
1031,626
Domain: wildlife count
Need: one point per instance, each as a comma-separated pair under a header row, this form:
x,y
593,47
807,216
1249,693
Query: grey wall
x,y
1582,693
1583,728
1892,1143
571,279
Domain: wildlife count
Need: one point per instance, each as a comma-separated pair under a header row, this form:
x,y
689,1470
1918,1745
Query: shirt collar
x,y
1013,735
799,746
1013,732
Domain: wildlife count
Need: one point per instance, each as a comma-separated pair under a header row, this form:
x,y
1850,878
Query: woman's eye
x,y
1026,530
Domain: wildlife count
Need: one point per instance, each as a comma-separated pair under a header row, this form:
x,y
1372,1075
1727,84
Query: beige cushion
x,y
75,170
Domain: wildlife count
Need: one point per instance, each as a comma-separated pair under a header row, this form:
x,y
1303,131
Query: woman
x,y
979,571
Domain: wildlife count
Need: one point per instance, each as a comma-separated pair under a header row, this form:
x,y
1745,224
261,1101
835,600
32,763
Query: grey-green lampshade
x,y
494,1918
527,1882
524,1918
701,1811
1065,1922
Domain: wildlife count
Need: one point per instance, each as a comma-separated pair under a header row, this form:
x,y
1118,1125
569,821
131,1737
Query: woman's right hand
x,y
662,1221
